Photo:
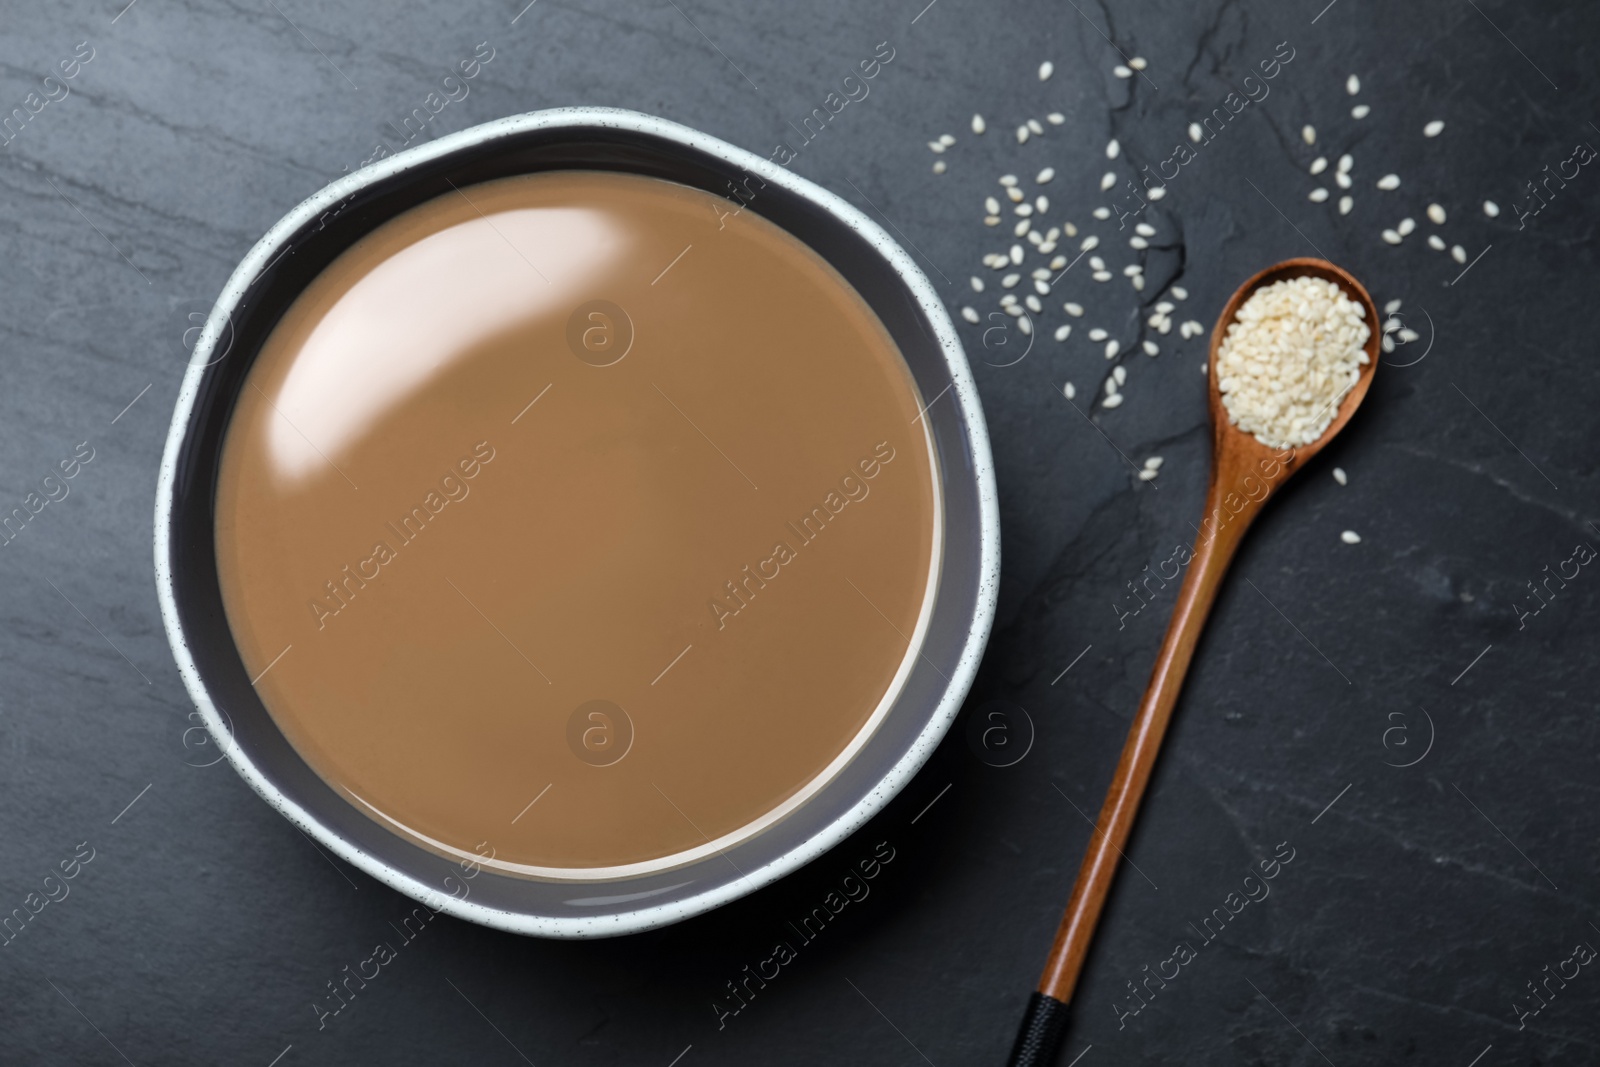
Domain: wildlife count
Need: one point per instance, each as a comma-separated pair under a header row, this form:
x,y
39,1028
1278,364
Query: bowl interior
x,y
859,251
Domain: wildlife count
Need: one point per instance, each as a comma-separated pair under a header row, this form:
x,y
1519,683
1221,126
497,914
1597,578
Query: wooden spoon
x,y
1245,473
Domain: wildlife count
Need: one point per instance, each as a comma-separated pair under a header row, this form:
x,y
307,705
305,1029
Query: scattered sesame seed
x,y
1075,310
1138,63
1433,129
969,314
1108,180
1112,388
1138,243
1041,203
1014,194
1148,474
1392,237
1157,192
1352,85
1151,348
1360,111
1346,163
1350,537
1113,149
1045,175
1040,274
1033,125
1308,134
1389,182
1096,263
1112,348
1043,289
1022,135
1090,243
1345,204
1458,254
1196,133
978,125
1491,208
1132,270
1102,213
977,284
1180,292
1069,391
1101,276
1055,118
1063,332
1408,335
1153,463
1025,327
937,146
1406,227
946,139
1319,165
1144,229
1058,262
1340,477
938,166
1008,179
1391,307
1342,180
1203,368
1436,242
1122,72
1097,334
1318,195
1023,227
1113,401
1120,374
1033,304
1010,281
1046,69
1016,253
1436,214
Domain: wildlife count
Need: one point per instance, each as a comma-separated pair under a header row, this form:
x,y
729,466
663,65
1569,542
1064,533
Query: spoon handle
x,y
1045,1023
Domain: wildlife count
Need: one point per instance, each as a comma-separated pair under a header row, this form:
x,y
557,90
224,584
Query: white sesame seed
x,y
1114,401
1153,463
1120,374
1392,237
1318,195
1025,327
1122,72
991,205
1342,180
1436,214
1063,332
1055,118
1406,227
1391,325
1022,135
1101,276
1340,477
1319,165
1408,335
1097,334
1458,254
1433,129
1033,125
1113,149
1058,262
1102,213
1010,281
1346,163
969,314
937,146
1391,307
1023,227
1491,208
978,125
1151,348
1046,69
1008,179
1096,263
1033,304
1090,243
1024,210
1147,475
1203,367
1043,289
938,166
1196,133
1157,192
1308,134
977,284
1112,388
1039,274
1166,307
1016,253
1108,180
1360,111
1352,85
1112,348
1138,243
1436,242
1180,292
1075,310
1045,175
946,139
1165,327
1041,203
1345,204
1387,343
1014,194
1350,537
1144,229
1132,270
1069,391
1138,63
1389,182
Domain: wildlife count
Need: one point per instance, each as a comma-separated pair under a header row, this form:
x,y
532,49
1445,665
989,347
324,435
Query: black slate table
x,y
1407,724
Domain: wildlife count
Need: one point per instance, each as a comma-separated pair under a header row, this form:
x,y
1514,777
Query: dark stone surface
x,y
1416,907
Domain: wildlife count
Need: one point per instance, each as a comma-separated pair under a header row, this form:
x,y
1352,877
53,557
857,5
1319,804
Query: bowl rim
x,y
819,841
